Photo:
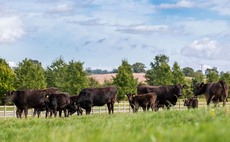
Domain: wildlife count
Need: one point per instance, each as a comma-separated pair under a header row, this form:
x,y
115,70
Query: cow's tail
x,y
224,88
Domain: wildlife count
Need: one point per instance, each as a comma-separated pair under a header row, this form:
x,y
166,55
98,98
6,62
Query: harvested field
x,y
101,78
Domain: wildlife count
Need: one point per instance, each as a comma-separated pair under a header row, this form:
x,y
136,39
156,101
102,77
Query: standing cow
x,y
213,91
57,102
25,99
167,95
145,101
90,97
191,102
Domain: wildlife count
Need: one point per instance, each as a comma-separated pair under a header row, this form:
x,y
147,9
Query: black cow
x,y
145,101
90,97
25,99
191,102
72,107
167,95
214,91
57,102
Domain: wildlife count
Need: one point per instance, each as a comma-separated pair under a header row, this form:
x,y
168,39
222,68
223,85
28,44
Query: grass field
x,y
167,125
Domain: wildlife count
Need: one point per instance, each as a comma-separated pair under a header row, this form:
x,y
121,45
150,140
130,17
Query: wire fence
x,y
122,107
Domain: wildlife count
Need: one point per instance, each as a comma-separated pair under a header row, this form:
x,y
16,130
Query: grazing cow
x,y
25,99
167,95
191,102
90,97
72,107
214,91
145,101
57,102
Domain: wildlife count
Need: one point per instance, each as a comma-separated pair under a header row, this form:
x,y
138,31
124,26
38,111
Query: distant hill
x,y
102,77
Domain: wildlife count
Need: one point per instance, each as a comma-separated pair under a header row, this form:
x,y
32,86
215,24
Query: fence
x,y
122,107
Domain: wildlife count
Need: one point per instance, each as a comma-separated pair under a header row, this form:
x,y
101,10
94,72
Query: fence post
x,y
118,107
14,111
4,111
124,106
179,104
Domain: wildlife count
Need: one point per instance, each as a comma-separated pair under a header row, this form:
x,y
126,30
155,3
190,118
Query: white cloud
x,y
179,4
204,48
12,64
11,28
220,6
60,9
142,29
203,28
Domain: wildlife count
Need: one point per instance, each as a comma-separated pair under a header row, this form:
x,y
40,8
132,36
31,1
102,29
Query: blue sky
x,y
101,33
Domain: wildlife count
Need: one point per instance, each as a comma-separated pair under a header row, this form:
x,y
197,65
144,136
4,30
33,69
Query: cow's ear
x,y
202,84
185,86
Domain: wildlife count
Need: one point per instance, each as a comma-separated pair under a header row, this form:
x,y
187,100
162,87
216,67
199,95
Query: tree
x,y
159,59
189,72
212,76
114,71
225,77
124,80
178,75
160,72
55,74
214,69
30,75
76,78
93,82
138,67
7,77
198,77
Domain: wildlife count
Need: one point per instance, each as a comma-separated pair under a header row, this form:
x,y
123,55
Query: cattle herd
x,y
52,100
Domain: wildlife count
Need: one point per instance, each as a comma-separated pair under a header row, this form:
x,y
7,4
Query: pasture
x,y
204,124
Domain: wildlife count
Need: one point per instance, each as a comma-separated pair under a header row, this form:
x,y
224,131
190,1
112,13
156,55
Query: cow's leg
x,y
38,113
79,111
65,112
88,110
208,101
51,113
19,113
26,112
55,113
109,107
224,102
47,111
60,112
153,106
144,108
35,111
216,103
112,107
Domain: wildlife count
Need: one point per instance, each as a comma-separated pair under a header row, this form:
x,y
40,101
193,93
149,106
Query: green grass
x,y
167,125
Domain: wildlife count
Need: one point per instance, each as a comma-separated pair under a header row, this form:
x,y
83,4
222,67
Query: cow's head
x,y
130,99
199,89
132,102
186,102
178,89
74,108
46,98
11,95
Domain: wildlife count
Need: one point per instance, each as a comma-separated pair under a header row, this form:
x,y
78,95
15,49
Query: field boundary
x,y
122,107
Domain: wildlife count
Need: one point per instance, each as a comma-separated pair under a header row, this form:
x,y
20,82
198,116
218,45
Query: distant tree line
x,y
72,77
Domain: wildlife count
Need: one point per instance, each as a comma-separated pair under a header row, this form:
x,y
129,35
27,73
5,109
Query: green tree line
x,y
72,77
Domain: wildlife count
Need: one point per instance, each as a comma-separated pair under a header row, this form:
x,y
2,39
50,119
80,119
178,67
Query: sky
x,y
102,33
